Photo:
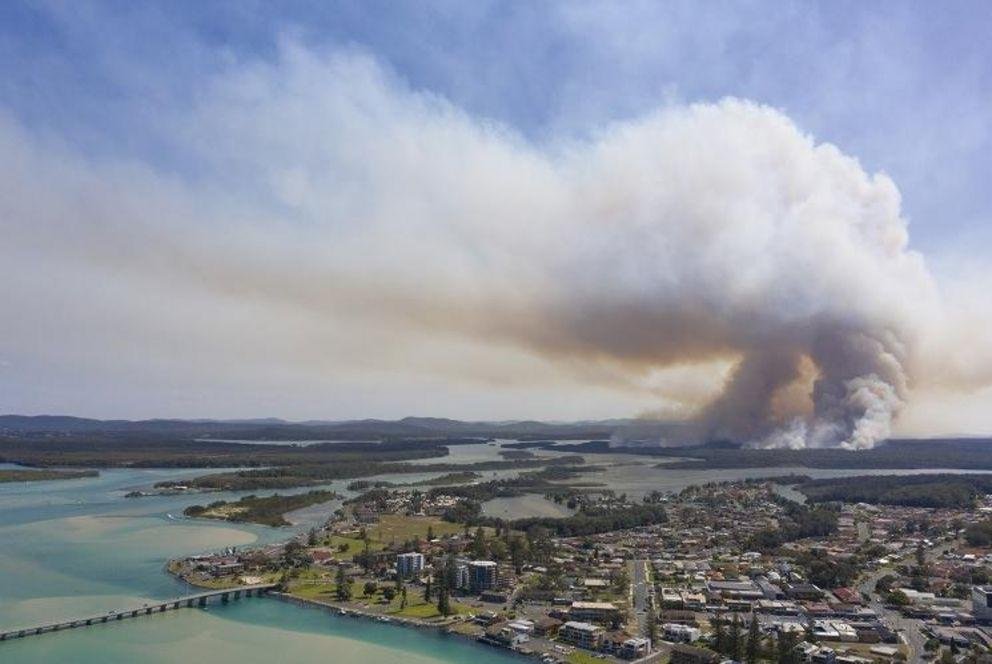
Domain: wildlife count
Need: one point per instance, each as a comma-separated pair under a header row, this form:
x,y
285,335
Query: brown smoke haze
x,y
710,257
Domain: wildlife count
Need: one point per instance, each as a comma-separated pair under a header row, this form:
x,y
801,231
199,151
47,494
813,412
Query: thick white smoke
x,y
712,234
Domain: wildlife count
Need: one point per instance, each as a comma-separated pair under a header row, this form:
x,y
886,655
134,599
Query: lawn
x,y
580,657
323,590
399,528
393,528
326,590
427,611
354,545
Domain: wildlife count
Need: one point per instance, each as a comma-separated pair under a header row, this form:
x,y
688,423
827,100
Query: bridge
x,y
187,601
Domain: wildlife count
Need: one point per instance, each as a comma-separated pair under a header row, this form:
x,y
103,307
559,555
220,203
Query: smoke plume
x,y
377,223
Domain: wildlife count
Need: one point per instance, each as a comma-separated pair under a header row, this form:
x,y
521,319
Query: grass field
x,y
425,611
319,584
393,529
354,545
326,590
399,528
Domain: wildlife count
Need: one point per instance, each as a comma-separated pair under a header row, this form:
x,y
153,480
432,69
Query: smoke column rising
x,y
699,235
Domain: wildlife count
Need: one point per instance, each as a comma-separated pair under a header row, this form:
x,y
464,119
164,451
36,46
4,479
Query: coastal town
x,y
742,571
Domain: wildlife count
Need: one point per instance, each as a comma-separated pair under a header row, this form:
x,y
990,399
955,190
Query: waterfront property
x,y
409,564
482,575
581,634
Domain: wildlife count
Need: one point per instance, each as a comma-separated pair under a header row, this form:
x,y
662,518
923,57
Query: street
x,y
909,628
640,584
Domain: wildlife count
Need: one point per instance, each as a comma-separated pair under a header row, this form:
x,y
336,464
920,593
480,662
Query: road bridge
x,y
187,601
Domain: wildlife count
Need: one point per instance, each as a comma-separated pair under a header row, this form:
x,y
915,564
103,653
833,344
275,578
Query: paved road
x,y
910,628
640,584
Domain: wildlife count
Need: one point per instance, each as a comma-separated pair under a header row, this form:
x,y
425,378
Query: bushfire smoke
x,y
709,235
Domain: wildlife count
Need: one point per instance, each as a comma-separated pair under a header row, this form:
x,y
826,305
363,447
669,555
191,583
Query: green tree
x,y
787,642
884,584
897,598
343,588
734,638
369,589
498,549
427,590
518,553
479,548
652,620
444,587
753,651
810,634
443,598
719,636
389,594
621,581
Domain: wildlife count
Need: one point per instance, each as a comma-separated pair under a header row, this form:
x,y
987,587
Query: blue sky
x,y
191,186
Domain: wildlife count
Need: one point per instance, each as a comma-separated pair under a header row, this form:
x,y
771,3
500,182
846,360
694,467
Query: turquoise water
x,y
71,548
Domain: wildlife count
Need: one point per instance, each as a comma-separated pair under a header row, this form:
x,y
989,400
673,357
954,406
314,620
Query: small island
x,y
267,511
18,475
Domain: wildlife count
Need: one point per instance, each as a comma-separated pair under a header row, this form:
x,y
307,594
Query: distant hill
x,y
277,429
618,435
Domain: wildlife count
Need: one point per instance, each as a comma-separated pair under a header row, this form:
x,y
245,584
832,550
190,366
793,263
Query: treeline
x,y
276,429
448,478
932,490
18,475
367,465
268,510
896,454
799,522
585,446
593,521
158,452
964,453
541,481
826,571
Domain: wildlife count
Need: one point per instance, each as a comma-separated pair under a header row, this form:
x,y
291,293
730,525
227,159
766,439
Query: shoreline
x,y
400,621
440,628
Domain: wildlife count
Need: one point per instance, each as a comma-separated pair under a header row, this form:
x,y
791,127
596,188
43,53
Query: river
x,y
75,547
